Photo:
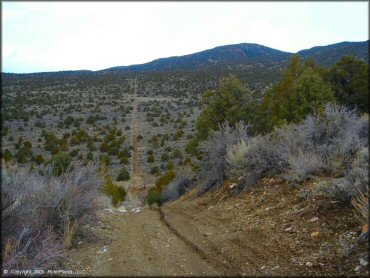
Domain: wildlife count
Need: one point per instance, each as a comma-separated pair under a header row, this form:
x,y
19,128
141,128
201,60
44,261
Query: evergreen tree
x,y
350,83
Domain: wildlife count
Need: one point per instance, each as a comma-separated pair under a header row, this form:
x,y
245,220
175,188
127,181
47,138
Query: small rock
x,y
358,268
314,219
110,259
315,234
363,262
263,267
80,242
233,185
309,264
289,230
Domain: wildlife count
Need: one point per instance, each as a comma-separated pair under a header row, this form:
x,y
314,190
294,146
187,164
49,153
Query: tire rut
x,y
218,264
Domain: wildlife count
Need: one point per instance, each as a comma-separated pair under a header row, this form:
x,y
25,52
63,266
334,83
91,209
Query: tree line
x,y
303,89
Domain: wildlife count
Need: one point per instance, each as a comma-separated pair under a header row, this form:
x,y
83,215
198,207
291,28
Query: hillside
x,y
226,58
330,54
244,53
256,65
248,54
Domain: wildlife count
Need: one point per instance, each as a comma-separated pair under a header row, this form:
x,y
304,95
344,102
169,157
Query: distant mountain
x,y
247,54
251,60
330,54
243,53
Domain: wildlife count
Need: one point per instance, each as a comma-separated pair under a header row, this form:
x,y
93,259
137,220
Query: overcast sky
x,y
96,35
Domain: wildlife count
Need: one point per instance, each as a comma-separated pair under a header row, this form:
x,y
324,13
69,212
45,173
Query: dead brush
x,y
361,206
70,228
361,211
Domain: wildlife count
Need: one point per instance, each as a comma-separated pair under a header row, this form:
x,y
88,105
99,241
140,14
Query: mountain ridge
x,y
232,55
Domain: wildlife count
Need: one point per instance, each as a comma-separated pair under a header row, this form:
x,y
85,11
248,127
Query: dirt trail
x,y
136,191
139,243
136,240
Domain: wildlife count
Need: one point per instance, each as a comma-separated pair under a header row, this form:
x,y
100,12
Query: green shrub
x,y
74,152
55,150
114,150
165,179
39,159
63,144
91,146
90,156
178,134
155,170
22,159
60,163
164,157
150,158
153,196
124,153
22,154
123,175
4,131
105,159
27,144
68,121
192,147
7,155
104,147
75,140
155,141
177,154
170,165
124,160
115,192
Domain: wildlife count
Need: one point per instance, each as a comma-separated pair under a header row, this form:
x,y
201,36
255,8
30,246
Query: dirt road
x,y
136,240
136,191
138,243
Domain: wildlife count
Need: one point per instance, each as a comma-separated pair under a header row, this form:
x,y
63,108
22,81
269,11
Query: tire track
x,y
216,263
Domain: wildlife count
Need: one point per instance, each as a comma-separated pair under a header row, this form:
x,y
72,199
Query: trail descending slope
x,y
135,240
136,191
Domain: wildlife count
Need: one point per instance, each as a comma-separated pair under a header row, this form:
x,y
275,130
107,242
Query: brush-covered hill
x,y
243,53
330,54
248,54
257,65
